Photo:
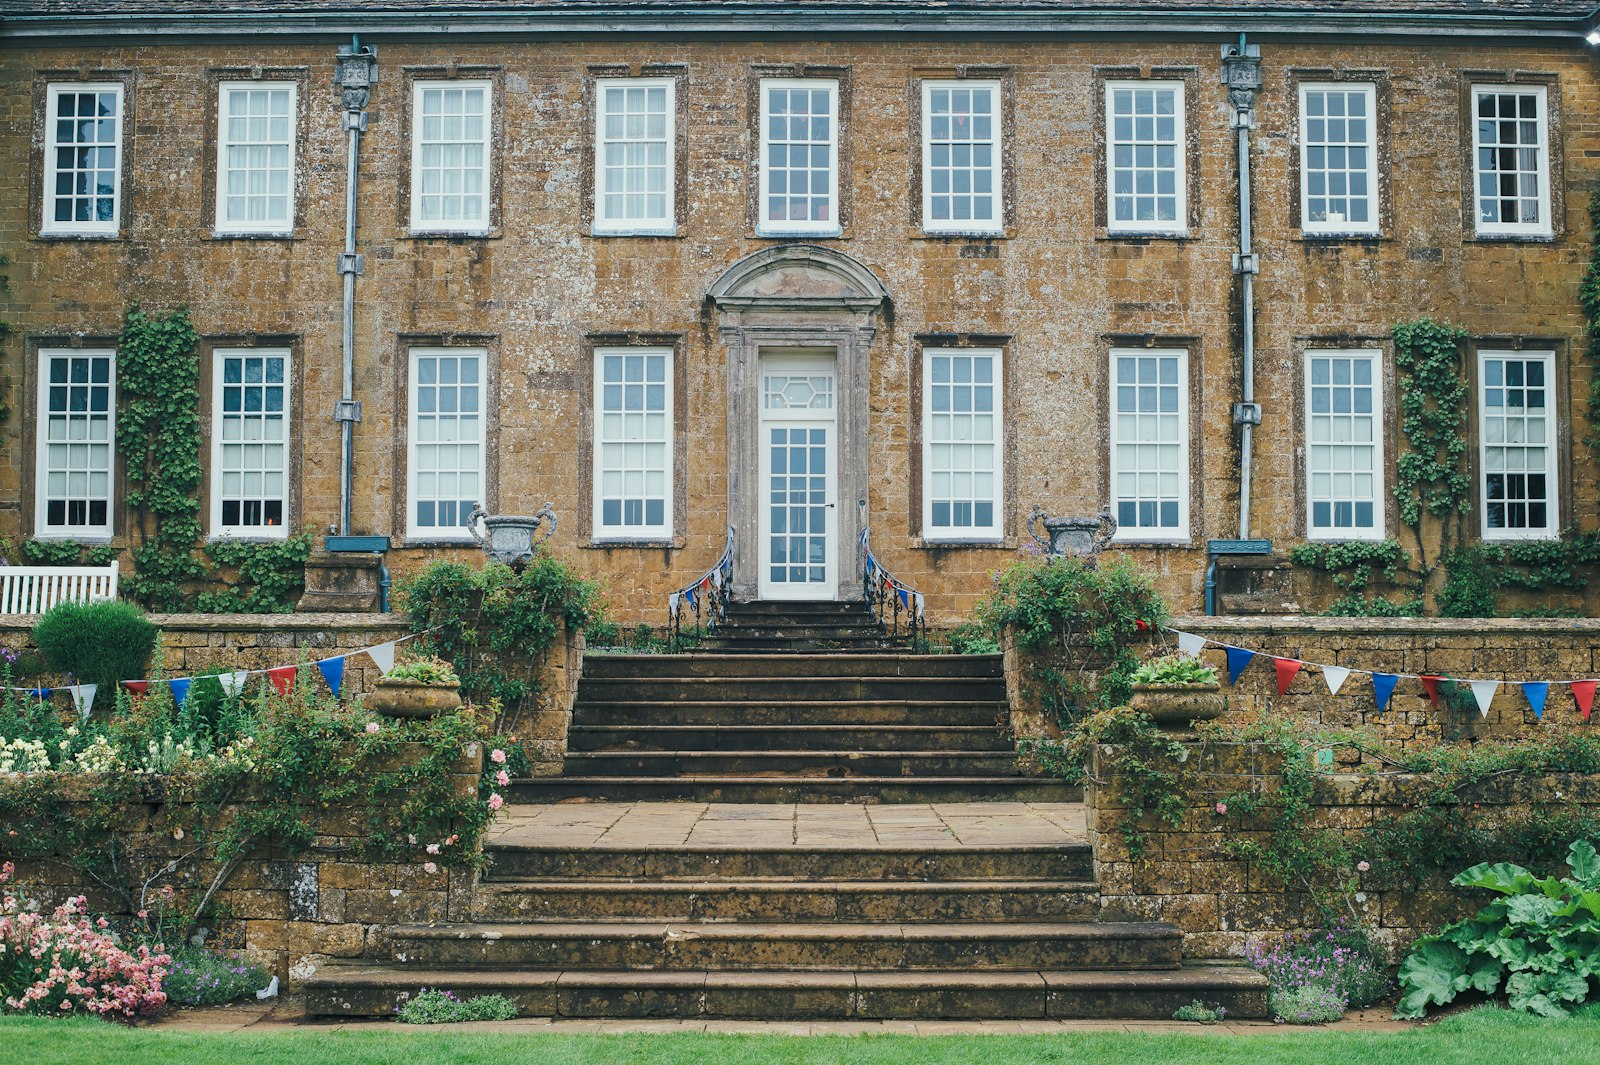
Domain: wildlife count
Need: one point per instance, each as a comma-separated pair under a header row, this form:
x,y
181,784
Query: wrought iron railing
x,y
706,601
895,605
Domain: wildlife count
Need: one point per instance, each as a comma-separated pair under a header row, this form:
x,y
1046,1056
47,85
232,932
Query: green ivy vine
x,y
269,576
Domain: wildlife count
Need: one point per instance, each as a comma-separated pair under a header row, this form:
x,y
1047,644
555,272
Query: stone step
x,y
802,630
776,687
791,789
831,667
367,990
732,946
922,863
804,765
782,645
798,608
798,712
799,900
850,737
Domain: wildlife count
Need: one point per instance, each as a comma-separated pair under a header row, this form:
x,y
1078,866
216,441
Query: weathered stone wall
x,y
1507,649
1224,903
1057,291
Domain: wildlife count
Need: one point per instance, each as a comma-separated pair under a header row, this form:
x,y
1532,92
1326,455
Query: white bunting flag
x,y
232,682
1190,644
1335,676
83,698
383,655
672,605
1483,691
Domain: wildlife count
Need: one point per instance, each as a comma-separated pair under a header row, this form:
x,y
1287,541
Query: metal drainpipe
x,y
1241,73
355,73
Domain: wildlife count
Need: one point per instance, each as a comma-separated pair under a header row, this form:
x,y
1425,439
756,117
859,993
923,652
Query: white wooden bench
x,y
35,589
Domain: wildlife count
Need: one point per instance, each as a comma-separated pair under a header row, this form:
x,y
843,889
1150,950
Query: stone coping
x,y
396,620
1313,625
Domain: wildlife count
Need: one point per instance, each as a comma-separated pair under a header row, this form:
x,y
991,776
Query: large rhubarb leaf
x,y
1504,877
1585,863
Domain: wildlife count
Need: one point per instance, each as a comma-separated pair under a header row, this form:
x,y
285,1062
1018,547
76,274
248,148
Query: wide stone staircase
x,y
798,823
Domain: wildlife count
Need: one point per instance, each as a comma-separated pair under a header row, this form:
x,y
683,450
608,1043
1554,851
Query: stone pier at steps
x,y
779,830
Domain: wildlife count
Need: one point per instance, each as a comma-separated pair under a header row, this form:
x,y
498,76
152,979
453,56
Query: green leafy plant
x,y
96,643
1200,1013
1151,777
1174,669
1306,1004
426,671
972,639
267,577
201,977
1540,940
443,1007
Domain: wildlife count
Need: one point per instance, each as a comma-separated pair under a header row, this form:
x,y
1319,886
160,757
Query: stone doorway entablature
x,y
785,298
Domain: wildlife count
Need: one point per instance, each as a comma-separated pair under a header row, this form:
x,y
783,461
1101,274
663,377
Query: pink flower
x,y
502,778
429,867
497,756
411,840
433,848
143,914
1222,807
1362,867
495,801
372,726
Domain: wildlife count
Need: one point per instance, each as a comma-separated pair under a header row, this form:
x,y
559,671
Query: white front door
x,y
799,547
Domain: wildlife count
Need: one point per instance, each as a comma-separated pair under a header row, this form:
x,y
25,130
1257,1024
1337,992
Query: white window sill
x,y
88,539
1340,234
252,234
1134,540
1146,234
792,234
80,234
247,537
1514,234
1344,536
980,540
441,234
929,231
634,231
1501,536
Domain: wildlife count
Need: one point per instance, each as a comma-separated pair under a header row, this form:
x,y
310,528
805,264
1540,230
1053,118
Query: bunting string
x,y
1286,669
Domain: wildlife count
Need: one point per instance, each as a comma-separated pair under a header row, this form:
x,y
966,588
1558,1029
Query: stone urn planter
x,y
398,697
1175,707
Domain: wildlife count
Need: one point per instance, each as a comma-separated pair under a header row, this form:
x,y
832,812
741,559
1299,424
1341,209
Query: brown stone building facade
x,y
680,268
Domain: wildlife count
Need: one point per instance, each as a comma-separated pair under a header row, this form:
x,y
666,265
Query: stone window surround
x,y
1390,442
216,77
841,162
494,74
1007,78
588,169
41,473
400,504
1192,158
1008,504
1102,385
29,414
294,412
589,346
1554,162
127,176
1382,94
1560,442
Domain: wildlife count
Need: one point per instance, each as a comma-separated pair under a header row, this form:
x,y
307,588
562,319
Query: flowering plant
x,y
1341,959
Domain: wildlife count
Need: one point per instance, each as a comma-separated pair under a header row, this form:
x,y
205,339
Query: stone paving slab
x,y
766,825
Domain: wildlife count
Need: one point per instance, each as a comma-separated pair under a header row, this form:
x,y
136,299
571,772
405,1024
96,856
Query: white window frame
x,y
223,226
788,227
1552,475
471,227
1374,207
48,226
996,221
599,531
1135,534
994,532
1545,227
248,532
1179,224
667,225
41,470
434,533
1334,533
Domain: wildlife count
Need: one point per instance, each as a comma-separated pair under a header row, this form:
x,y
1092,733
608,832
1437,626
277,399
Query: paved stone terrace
x,y
772,825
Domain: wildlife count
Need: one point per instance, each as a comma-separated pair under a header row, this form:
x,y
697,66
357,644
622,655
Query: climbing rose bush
x,y
64,963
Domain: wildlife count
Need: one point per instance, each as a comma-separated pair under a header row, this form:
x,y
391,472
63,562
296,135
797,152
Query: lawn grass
x,y
1482,1035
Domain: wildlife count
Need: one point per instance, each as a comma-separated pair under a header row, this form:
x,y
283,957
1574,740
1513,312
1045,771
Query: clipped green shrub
x,y
96,643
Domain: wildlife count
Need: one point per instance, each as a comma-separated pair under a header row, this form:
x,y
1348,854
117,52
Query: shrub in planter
x,y
1177,690
417,689
96,643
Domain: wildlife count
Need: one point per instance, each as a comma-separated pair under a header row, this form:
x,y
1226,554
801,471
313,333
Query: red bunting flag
x,y
1430,684
137,687
1288,669
1583,694
1141,626
283,678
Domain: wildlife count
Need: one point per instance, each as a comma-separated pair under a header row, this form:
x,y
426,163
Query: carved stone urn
x,y
1176,707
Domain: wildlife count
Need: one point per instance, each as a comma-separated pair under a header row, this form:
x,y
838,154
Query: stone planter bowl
x,y
1175,706
393,697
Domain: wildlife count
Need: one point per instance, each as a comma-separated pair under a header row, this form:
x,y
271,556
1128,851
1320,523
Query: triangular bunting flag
x,y
905,600
180,689
919,604
137,687
1430,684
1383,687
40,694
1335,676
1238,659
1483,691
1536,691
1287,669
383,654
1190,644
232,683
83,698
672,605
1583,695
333,672
283,678
689,595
